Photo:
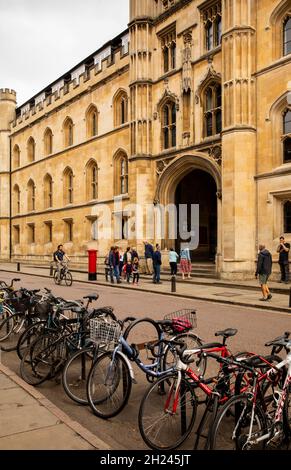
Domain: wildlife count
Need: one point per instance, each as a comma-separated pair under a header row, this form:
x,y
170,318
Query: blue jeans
x,y
116,272
157,272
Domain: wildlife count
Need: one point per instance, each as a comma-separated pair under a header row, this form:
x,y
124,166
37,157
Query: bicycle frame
x,y
277,425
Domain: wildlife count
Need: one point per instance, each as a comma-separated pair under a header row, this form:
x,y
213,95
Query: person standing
x,y
264,269
157,261
120,261
135,271
283,250
173,260
148,253
114,262
185,263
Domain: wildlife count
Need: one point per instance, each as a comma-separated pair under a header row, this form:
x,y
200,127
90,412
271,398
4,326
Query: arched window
x,y
287,136
68,186
169,124
92,180
121,173
287,217
16,156
48,142
92,121
287,36
212,27
120,105
68,132
16,199
48,191
31,196
212,110
30,150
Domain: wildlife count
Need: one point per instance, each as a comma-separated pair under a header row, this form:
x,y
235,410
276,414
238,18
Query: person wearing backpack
x,y
157,261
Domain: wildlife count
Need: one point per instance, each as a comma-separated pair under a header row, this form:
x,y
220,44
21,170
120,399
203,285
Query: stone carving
x,y
215,153
186,61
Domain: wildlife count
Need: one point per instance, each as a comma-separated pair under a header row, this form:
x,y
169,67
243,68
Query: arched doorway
x,y
199,187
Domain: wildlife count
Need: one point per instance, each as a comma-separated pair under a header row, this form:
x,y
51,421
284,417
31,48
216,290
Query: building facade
x,y
190,105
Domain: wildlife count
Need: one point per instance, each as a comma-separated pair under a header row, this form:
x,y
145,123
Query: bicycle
x,y
63,275
246,422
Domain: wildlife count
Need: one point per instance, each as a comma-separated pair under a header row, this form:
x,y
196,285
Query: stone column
x,y
238,138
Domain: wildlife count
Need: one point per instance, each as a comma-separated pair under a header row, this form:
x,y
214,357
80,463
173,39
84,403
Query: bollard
x,y
290,298
18,266
51,270
173,283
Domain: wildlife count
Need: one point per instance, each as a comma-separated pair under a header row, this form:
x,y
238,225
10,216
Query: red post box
x,y
92,265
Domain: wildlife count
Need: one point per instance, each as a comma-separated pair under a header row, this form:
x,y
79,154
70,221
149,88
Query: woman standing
x,y
173,260
185,263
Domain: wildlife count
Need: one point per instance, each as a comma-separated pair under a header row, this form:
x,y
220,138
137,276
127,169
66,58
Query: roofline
x,y
106,44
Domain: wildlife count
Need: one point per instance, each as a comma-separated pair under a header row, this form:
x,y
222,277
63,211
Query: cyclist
x,y
60,259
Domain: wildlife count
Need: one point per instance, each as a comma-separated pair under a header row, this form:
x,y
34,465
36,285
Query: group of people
x,y
127,264
264,266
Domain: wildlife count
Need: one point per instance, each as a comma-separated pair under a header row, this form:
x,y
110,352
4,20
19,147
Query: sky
x,y
41,40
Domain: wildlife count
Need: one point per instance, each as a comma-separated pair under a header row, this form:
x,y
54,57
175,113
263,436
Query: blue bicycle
x,y
111,376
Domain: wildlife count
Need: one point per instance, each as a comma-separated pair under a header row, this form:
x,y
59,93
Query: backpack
x,y
106,261
54,256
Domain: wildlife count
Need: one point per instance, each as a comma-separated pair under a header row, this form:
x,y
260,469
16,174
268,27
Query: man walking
x,y
148,253
264,269
157,261
283,250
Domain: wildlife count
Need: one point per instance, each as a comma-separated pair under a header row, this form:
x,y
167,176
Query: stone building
x,y
191,104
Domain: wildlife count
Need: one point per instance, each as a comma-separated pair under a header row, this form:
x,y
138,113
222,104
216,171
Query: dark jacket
x,y
112,259
264,264
148,250
157,258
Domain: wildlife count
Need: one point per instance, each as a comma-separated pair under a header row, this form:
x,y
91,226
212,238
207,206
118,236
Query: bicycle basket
x,y
102,331
182,320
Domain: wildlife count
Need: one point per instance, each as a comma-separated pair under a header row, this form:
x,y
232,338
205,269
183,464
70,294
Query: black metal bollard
x,y
51,270
173,283
290,298
18,267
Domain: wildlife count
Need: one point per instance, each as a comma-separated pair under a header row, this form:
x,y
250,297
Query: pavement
x,y
28,420
243,293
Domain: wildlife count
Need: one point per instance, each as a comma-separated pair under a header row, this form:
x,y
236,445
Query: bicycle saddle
x,y
226,333
91,297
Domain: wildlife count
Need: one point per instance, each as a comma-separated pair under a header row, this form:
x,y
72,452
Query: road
x,y
255,327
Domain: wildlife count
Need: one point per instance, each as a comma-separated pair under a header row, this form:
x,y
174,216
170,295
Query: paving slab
x,y
57,437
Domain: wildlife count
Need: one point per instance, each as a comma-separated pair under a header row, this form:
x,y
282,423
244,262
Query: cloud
x,y
39,41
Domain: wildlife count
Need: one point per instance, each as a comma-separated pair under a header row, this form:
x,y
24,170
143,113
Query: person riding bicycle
x,y
61,259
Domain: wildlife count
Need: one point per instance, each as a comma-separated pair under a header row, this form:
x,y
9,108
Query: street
x,y
255,327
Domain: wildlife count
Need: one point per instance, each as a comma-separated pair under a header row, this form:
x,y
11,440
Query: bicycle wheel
x,y
109,385
68,278
231,428
287,413
75,375
193,342
37,361
28,336
57,278
10,329
167,413
142,332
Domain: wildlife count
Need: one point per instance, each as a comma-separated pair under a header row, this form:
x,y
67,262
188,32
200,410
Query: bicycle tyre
x,y
193,341
142,331
28,336
57,279
161,428
108,399
9,331
233,418
75,374
68,278
36,364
